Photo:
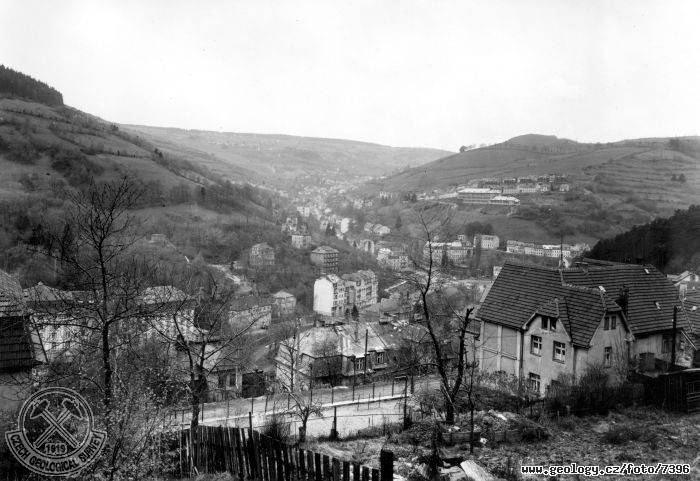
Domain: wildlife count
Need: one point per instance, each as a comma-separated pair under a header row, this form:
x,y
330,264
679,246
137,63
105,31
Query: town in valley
x,y
202,303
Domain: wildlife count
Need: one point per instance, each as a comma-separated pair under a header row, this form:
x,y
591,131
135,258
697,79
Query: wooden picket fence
x,y
250,455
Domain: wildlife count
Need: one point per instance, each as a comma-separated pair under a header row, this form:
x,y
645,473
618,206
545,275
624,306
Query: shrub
x,y
622,434
534,433
276,428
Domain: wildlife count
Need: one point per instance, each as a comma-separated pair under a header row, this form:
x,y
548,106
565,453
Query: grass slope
x,y
278,159
42,133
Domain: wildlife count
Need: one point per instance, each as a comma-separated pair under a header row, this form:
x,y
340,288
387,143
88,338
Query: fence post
x,y
202,412
373,390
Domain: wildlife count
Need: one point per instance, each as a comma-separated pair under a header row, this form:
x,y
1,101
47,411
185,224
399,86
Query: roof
x,y
647,287
324,250
580,309
41,293
249,302
525,288
20,346
282,295
11,296
522,291
360,276
348,338
163,294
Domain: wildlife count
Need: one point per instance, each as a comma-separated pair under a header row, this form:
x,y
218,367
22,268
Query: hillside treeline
x,y
672,245
21,85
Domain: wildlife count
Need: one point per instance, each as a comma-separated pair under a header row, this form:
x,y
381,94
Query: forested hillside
x,y
50,152
671,244
17,84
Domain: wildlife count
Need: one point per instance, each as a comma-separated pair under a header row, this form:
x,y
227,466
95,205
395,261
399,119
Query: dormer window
x,y
610,323
549,324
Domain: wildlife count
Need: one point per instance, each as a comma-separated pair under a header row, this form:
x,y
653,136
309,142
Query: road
x,y
368,406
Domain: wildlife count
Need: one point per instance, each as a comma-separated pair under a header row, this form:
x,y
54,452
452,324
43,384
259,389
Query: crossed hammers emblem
x,y
40,409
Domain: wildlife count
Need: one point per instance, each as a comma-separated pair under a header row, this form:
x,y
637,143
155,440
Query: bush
x,y
276,428
622,435
534,433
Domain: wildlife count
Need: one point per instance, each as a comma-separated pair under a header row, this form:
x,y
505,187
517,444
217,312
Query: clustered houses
x,y
377,229
527,185
349,352
304,210
542,323
481,195
291,224
325,258
395,258
335,296
456,252
261,255
543,250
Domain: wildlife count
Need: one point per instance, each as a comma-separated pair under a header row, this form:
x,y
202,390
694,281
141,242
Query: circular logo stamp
x,y
55,433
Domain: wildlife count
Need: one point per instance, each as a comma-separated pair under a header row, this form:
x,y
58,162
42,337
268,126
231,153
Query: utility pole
x,y
673,339
366,338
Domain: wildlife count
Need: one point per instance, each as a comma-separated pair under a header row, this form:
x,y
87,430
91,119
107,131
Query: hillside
x,y
671,244
279,159
614,186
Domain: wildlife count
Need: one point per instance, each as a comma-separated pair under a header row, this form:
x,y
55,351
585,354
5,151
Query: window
x,y
559,351
536,345
222,382
608,356
549,324
666,344
232,380
380,358
610,323
534,380
360,364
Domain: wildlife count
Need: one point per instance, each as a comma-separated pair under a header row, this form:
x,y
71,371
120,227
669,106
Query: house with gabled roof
x,y
541,322
21,351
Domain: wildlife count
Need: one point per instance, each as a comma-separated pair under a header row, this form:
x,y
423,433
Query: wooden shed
x,y
675,391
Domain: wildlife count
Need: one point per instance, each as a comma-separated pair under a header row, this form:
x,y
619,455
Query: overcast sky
x,y
406,73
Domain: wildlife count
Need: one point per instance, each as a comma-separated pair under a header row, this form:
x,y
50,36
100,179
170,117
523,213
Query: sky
x,y
435,73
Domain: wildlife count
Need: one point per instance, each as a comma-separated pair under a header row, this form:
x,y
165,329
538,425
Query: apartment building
x,y
325,258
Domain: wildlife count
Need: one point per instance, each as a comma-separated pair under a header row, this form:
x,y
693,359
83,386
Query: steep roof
x,y
20,346
519,290
651,295
522,291
11,296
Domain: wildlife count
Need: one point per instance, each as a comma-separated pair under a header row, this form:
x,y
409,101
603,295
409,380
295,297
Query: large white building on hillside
x,y
329,295
333,295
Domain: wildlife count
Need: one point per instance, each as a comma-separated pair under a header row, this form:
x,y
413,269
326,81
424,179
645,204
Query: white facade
x,y
329,295
488,242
